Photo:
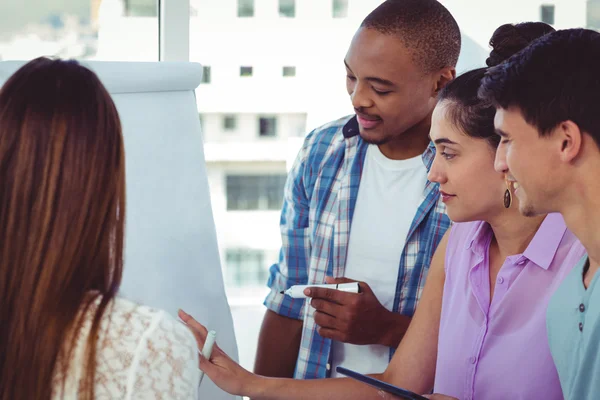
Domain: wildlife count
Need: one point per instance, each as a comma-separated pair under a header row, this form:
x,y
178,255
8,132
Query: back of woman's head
x,y
62,205
464,108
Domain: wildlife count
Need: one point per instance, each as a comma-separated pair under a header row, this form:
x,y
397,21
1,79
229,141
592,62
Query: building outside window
x,y
246,71
229,122
245,8
267,126
289,71
255,192
340,8
245,268
205,74
287,8
547,13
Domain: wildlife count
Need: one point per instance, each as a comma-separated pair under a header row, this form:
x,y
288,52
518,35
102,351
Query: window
x,y
593,14
245,71
205,74
287,8
245,8
80,29
140,8
255,192
229,123
289,71
340,8
267,126
547,14
245,267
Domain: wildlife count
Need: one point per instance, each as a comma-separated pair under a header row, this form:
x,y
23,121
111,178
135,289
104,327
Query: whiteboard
x,y
171,253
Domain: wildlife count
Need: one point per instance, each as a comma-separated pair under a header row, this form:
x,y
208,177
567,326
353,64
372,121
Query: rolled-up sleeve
x,y
294,256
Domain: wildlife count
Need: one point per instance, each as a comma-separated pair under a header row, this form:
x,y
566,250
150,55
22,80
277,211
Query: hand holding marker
x,y
297,291
207,349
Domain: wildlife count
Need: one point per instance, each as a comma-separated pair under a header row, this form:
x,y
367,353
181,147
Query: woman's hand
x,y
221,369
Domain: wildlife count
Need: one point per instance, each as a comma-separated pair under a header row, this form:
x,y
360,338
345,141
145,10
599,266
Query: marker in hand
x,y
207,349
297,291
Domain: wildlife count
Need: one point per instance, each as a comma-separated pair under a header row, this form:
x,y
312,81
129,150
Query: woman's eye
x,y
447,156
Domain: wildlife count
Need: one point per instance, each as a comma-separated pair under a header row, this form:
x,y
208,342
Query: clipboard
x,y
376,383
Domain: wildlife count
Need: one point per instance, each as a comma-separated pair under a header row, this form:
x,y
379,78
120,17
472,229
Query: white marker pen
x,y
297,291
207,349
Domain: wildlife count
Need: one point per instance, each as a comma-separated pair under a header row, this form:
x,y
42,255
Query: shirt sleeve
x,y
165,364
294,256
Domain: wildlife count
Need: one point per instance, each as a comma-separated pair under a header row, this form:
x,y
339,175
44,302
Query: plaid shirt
x,y
319,199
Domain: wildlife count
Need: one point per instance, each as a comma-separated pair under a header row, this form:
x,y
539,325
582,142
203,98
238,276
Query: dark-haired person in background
x,y
357,202
479,331
547,101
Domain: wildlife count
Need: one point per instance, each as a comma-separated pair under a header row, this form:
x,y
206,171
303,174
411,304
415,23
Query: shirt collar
x,y
542,248
544,244
351,129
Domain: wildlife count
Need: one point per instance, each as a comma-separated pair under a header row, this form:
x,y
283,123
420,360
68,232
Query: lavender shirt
x,y
499,350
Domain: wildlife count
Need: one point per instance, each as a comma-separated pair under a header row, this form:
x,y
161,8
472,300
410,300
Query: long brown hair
x,y
62,211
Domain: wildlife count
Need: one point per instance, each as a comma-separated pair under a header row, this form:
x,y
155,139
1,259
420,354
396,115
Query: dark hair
x,y
425,27
509,39
553,80
62,212
471,114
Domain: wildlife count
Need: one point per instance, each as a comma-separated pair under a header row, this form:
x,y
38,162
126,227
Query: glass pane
x,y
289,71
205,74
113,30
340,8
245,71
245,8
267,126
593,14
547,12
229,122
287,8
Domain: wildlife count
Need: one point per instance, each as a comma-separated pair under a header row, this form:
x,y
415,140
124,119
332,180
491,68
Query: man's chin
x,y
372,136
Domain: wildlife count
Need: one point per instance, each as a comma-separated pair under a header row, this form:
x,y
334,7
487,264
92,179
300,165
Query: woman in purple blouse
x,y
479,331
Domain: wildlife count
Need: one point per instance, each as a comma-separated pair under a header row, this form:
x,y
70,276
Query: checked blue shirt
x,y
319,199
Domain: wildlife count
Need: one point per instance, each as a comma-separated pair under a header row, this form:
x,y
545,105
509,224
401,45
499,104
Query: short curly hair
x,y
426,28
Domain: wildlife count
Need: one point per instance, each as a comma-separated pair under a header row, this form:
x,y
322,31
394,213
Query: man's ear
x,y
443,77
570,140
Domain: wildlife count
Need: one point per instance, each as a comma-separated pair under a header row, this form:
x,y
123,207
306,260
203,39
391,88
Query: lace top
x,y
143,353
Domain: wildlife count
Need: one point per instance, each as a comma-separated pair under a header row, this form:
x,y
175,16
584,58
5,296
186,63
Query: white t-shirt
x,y
142,353
389,195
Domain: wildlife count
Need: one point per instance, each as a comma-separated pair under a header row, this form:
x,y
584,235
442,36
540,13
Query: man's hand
x,y
356,318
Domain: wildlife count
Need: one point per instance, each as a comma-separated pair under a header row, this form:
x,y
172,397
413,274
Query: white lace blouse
x,y
143,353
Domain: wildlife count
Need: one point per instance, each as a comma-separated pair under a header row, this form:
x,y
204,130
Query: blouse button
x,y
581,326
501,280
582,307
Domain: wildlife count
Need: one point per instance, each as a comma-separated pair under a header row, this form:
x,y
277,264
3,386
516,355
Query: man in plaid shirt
x,y
366,172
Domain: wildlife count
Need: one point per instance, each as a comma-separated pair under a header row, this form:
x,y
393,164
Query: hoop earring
x,y
507,196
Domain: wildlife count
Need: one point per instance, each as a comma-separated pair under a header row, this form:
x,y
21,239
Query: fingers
x,y
196,327
326,320
333,334
327,307
331,295
206,365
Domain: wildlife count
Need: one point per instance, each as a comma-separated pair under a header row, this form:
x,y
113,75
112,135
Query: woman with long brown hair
x,y
64,331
